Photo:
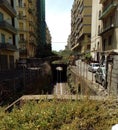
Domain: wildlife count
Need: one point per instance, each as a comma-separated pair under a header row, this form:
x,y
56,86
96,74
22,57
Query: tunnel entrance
x,y
59,73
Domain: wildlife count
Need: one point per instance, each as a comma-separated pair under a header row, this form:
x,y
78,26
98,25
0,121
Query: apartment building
x,y
81,26
8,38
68,46
109,29
48,36
26,14
96,40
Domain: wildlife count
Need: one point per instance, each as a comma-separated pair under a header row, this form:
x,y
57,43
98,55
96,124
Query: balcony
x,y
8,27
5,5
30,1
21,17
7,46
32,42
32,33
31,23
102,1
23,52
22,41
30,11
104,30
107,10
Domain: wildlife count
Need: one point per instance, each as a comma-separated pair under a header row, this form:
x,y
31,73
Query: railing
x,y
103,30
5,25
21,17
22,41
6,4
8,46
107,9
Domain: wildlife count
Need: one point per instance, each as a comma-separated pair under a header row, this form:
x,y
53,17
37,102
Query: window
x,y
21,36
2,38
104,42
1,17
99,13
110,40
20,3
21,25
20,13
98,29
111,20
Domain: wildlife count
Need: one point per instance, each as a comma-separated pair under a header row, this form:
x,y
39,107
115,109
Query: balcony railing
x,y
22,41
32,33
4,4
30,11
8,27
21,17
30,1
8,46
23,51
107,10
104,30
32,42
101,1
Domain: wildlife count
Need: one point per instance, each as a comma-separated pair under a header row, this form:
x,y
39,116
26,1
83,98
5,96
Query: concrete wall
x,y
113,77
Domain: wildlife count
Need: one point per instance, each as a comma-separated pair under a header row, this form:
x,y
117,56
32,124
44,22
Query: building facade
x,y
26,15
96,41
81,25
109,29
48,36
8,35
43,33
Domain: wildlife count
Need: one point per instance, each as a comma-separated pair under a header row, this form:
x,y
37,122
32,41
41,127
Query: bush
x,y
61,115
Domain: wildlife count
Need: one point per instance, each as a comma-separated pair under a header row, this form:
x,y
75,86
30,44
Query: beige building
x,y
109,29
81,25
26,14
68,46
8,38
48,36
96,41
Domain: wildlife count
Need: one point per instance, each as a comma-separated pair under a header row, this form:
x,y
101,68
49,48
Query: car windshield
x,y
95,65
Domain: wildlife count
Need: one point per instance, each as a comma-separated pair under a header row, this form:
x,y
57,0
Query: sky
x,y
58,18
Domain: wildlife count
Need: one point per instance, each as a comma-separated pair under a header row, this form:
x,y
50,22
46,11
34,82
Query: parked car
x,y
100,76
93,67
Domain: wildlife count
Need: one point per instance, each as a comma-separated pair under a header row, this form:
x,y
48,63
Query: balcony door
x,y
1,17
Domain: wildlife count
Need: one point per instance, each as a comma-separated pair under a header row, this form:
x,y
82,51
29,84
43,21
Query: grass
x,y
61,115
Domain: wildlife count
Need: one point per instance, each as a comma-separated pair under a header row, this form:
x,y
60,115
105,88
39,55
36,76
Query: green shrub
x,y
61,115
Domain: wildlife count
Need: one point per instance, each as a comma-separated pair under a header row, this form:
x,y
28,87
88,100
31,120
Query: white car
x,y
93,67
